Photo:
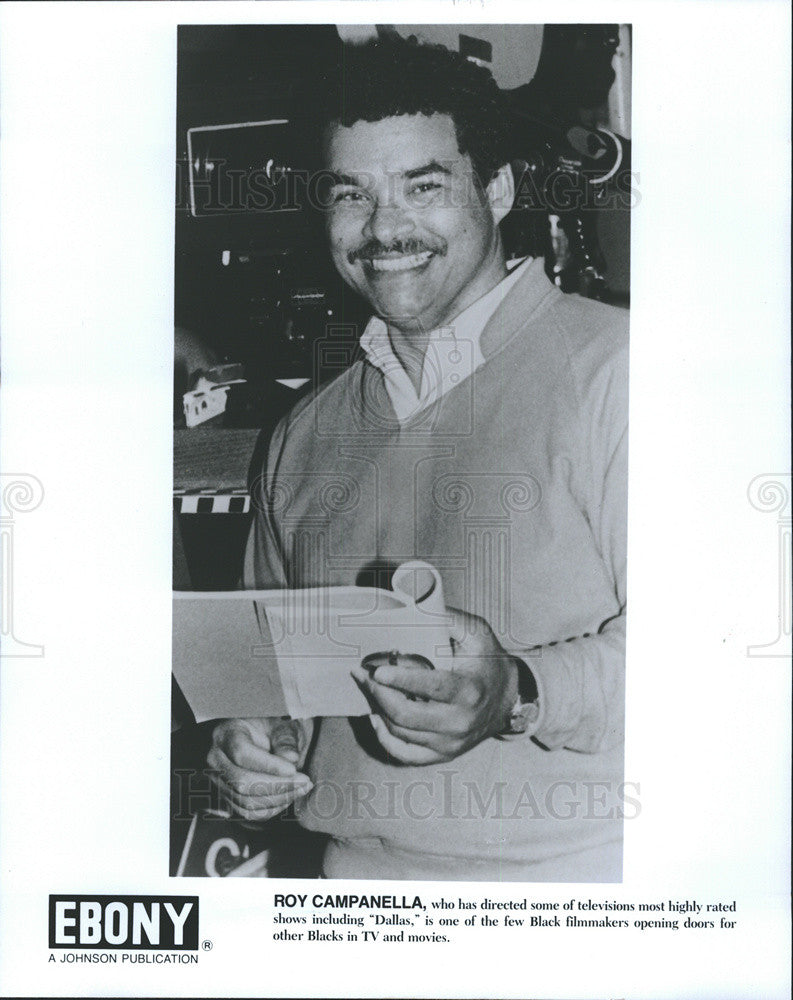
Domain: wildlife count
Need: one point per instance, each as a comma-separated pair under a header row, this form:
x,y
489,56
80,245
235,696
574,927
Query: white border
x,y
86,179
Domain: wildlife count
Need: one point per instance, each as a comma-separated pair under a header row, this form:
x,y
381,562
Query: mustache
x,y
373,248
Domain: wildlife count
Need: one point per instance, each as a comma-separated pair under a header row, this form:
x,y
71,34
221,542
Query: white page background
x,y
86,178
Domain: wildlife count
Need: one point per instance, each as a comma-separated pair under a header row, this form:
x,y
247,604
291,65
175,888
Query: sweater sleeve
x,y
581,681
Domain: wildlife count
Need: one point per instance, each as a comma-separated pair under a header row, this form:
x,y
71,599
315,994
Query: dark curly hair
x,y
392,76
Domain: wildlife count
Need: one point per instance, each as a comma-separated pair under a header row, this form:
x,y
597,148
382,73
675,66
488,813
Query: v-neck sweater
x,y
513,485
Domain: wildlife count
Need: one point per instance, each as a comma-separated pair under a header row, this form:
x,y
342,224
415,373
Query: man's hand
x,y
458,708
255,763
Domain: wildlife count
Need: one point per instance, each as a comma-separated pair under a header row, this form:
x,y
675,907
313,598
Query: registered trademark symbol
x,y
206,945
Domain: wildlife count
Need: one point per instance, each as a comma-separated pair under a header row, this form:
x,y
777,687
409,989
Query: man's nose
x,y
388,222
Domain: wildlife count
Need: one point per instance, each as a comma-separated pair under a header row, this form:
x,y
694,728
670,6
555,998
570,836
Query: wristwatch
x,y
527,707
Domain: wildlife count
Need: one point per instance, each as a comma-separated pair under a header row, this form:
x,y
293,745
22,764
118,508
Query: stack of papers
x,y
252,653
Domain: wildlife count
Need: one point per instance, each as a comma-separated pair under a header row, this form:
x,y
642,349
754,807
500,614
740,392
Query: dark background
x,y
257,288
262,307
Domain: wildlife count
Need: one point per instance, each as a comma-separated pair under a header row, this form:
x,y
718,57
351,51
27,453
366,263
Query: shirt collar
x,y
468,325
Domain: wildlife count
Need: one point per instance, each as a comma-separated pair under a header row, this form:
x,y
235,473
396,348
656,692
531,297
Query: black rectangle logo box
x,y
149,925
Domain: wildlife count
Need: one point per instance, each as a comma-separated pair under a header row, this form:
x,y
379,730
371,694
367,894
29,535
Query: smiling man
x,y
417,237
483,429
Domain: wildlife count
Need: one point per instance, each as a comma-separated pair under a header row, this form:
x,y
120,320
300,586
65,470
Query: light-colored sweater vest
x,y
514,486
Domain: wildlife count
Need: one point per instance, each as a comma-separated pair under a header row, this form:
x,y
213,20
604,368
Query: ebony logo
x,y
124,922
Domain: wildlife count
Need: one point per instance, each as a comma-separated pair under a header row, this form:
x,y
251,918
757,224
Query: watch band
x,y
528,691
526,709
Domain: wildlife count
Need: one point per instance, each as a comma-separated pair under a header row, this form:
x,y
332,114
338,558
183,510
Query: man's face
x,y
409,227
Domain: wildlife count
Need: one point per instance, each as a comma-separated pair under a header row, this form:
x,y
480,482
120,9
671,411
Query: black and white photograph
x,y
360,360
402,310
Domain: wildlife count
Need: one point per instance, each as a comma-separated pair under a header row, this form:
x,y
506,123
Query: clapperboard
x,y
211,501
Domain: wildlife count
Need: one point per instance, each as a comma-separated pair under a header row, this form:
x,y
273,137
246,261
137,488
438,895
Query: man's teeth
x,y
400,263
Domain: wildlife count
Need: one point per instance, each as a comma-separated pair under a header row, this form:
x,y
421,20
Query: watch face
x,y
523,715
519,720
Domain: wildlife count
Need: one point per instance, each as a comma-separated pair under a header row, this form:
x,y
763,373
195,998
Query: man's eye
x,y
347,197
423,192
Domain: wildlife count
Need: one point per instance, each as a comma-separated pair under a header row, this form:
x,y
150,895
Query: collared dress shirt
x,y
453,351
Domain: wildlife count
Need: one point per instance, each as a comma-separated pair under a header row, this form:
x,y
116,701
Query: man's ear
x,y
501,192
